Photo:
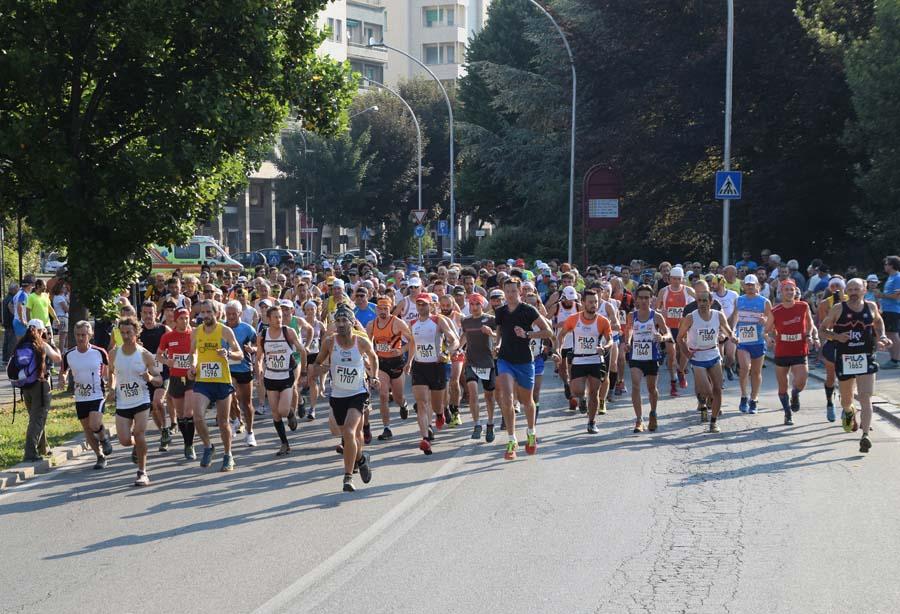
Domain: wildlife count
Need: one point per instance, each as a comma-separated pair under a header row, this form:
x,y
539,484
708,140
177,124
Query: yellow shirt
x,y
735,285
211,367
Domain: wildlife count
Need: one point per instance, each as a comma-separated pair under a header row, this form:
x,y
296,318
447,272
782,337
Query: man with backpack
x,y
27,371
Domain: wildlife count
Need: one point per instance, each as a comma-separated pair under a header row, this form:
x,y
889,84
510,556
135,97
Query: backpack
x,y
22,371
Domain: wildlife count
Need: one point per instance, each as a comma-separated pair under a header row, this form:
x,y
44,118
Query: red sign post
x,y
601,199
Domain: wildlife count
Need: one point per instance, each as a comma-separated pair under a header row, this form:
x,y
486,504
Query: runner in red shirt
x,y
175,352
790,328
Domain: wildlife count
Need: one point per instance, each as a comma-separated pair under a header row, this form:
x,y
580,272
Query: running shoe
x,y
285,449
134,458
673,389
638,427
365,469
448,416
865,444
107,446
165,438
489,434
510,450
751,407
456,420
142,479
367,433
573,404
601,409
416,408
531,443
829,412
620,388
101,463
846,421
439,421
250,440
189,452
292,420
348,484
795,400
425,446
743,405
430,435
227,463
788,420
476,432
582,405
301,408
854,424
386,434
592,427
206,459
339,448
729,373
704,414
404,412
714,427
652,424
311,414
682,379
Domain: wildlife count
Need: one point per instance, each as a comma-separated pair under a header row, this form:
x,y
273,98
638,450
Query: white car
x,y
53,263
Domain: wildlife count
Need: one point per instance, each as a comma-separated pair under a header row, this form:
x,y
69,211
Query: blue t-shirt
x,y
244,334
751,316
20,299
891,305
750,264
364,316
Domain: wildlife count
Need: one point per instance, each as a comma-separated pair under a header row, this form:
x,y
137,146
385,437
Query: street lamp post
x,y
452,159
729,73
418,144
572,138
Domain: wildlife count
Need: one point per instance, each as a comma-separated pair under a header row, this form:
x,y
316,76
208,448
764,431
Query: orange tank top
x,y
673,306
387,342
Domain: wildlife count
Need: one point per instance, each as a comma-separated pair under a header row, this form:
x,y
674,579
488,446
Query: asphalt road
x,y
759,518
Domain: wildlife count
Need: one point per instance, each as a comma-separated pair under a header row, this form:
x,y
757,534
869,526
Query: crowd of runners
x,y
289,342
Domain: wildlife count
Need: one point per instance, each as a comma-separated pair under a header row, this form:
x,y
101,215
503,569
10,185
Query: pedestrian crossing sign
x,y
728,185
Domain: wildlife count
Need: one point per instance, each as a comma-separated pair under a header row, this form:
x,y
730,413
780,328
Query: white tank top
x,y
410,313
131,388
85,368
279,361
315,344
427,335
562,314
586,340
703,337
348,370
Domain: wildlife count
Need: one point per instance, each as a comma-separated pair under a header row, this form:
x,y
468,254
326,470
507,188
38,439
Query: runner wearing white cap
x,y
752,314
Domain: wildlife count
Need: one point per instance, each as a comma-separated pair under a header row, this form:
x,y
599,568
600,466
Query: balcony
x,y
375,3
358,51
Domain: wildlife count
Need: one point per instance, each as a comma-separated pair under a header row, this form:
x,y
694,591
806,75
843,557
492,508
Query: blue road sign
x,y
365,234
443,228
419,231
728,185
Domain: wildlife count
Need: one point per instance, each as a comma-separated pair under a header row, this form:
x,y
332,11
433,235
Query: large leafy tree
x,y
123,122
873,70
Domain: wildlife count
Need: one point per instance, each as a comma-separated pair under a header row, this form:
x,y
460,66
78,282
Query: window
x,y
355,32
373,72
436,16
440,54
256,194
212,253
373,32
331,27
187,252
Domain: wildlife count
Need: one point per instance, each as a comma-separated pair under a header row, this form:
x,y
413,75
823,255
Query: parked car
x,y
277,256
354,254
250,260
53,263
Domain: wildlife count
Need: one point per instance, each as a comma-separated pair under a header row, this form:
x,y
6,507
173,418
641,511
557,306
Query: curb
x,y
883,407
59,456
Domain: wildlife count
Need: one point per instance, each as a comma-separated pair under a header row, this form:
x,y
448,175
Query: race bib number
x,y
210,370
129,390
346,378
747,333
83,391
587,344
276,362
854,364
789,338
707,337
383,347
674,313
642,350
481,373
182,361
425,350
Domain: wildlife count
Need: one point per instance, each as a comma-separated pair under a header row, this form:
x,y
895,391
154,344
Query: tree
x,y
123,122
873,71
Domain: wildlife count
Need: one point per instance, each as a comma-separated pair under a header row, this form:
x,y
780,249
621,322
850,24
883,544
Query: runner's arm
x,y
449,333
878,325
661,325
295,343
825,326
111,391
811,327
153,375
365,347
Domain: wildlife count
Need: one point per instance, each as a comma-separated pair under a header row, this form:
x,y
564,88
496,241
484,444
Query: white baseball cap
x,y
676,272
338,283
751,279
570,294
415,281
872,277
37,324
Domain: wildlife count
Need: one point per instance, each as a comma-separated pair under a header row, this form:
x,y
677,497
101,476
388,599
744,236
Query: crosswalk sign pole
x,y
729,72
